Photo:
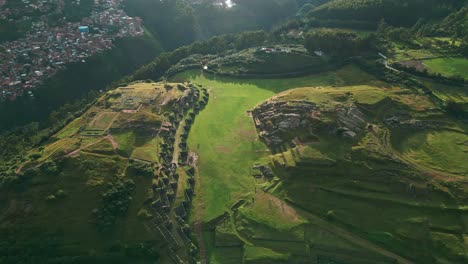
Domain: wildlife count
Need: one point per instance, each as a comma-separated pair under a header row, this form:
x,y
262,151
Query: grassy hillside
x,y
259,227
222,163
339,150
396,12
347,180
86,194
450,67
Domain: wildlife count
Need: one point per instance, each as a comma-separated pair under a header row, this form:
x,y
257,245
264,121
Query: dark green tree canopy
x,y
334,42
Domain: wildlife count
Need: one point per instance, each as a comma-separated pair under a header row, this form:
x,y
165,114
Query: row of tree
x,y
158,67
336,42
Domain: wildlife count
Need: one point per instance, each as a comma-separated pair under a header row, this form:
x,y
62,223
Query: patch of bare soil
x,y
287,211
114,143
223,149
417,64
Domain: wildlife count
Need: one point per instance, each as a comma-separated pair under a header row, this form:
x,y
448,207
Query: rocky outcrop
x,y
351,121
275,120
278,122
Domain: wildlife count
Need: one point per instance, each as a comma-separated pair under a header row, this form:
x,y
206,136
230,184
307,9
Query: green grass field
x,y
226,141
148,151
447,92
263,255
363,94
103,120
225,137
449,67
71,128
125,140
69,219
444,150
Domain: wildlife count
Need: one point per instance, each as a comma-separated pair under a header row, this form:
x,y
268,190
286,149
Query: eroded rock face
x,y
351,121
275,120
278,122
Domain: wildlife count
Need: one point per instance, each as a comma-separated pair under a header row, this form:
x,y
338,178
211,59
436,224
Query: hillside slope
x,y
395,12
352,170
98,191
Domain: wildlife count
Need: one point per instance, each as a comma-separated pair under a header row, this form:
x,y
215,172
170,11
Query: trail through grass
x,y
445,151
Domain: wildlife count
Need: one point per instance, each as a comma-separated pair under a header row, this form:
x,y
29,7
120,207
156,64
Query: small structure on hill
x,y
83,29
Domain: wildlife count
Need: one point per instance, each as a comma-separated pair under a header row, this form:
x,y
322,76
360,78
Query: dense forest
x,y
337,42
177,22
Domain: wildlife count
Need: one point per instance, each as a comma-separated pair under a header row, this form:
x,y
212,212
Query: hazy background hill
x,y
395,12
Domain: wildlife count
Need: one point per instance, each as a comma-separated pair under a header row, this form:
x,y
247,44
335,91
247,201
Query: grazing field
x,y
225,137
226,141
363,94
71,128
440,150
259,254
125,141
103,120
270,211
147,150
447,92
450,67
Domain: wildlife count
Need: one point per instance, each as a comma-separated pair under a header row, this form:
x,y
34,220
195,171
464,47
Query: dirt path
x,y
349,236
437,174
20,168
77,151
198,209
175,156
114,143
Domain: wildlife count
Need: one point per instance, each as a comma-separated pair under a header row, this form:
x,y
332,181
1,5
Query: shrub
x,y
141,168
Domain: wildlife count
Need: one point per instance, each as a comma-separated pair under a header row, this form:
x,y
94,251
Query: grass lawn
x,y
449,67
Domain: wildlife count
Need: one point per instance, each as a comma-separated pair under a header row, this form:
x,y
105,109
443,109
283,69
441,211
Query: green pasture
x,y
225,137
450,67
440,150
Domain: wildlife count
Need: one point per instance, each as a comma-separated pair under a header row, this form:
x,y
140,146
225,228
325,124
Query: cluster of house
x,y
27,6
273,50
45,50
